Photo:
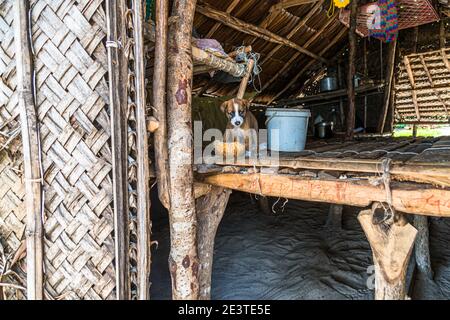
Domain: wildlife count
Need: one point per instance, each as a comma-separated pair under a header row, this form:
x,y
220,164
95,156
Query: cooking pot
x,y
323,130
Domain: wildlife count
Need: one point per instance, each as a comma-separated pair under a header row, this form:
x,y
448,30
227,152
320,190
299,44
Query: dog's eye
x,y
241,113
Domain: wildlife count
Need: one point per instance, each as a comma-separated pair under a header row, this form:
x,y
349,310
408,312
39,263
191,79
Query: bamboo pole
x,y
253,30
351,112
390,68
183,259
143,179
119,155
31,152
159,101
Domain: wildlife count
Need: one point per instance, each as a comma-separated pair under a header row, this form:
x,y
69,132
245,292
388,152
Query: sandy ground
x,y
292,255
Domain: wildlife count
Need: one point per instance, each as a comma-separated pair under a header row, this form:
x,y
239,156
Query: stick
x,y
31,153
244,81
351,70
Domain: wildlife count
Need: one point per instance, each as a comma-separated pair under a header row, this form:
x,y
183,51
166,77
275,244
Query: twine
x,y
257,69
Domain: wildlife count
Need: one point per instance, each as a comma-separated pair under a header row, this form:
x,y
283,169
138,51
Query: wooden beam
x,y
183,258
253,30
390,68
31,152
143,179
235,69
408,198
308,65
216,26
413,85
391,243
159,101
117,71
351,108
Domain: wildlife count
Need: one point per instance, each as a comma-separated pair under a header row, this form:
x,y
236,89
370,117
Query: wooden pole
x,y
31,152
183,260
159,101
391,244
366,75
442,34
408,198
119,152
210,209
390,68
143,188
422,246
253,30
351,70
244,81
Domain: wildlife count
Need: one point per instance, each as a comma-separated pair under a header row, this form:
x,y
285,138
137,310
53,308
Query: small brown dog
x,y
241,121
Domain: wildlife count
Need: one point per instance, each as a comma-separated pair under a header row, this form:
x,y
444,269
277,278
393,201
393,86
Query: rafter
x,y
284,4
253,30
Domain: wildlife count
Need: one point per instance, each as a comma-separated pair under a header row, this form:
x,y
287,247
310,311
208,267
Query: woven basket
x,y
72,107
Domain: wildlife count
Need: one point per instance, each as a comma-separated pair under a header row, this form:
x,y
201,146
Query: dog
x,y
242,123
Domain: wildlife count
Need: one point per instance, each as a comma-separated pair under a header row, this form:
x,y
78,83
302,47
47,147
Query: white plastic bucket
x,y
287,129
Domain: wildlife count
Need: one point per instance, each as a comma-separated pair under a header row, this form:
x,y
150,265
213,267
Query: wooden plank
x,y
119,153
253,30
31,153
407,198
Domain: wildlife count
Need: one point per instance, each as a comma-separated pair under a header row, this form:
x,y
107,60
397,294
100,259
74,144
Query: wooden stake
x,y
143,188
391,246
31,152
390,68
119,154
183,260
244,81
422,247
351,70
159,102
210,209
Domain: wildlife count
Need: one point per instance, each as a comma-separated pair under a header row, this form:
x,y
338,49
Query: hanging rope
x,y
244,57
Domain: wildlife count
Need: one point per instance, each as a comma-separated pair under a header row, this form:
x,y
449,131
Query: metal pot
x,y
324,130
328,84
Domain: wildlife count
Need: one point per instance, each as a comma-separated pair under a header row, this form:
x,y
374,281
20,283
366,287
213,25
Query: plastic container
x,y
292,127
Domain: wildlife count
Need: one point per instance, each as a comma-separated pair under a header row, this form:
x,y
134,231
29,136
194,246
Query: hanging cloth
x,y
388,22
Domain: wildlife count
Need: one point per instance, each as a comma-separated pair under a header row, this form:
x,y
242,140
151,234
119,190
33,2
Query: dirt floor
x,y
292,255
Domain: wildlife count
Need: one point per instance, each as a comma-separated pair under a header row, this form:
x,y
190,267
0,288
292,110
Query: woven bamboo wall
x,y
72,106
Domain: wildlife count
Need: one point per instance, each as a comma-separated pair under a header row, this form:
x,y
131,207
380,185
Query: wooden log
x,y
390,68
334,220
31,152
210,209
117,87
351,108
183,259
422,247
241,26
159,101
143,188
391,246
230,67
408,198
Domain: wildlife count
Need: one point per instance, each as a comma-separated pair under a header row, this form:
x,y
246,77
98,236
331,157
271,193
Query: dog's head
x,y
235,110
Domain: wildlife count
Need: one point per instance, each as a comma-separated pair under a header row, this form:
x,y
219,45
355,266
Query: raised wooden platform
x,y
352,173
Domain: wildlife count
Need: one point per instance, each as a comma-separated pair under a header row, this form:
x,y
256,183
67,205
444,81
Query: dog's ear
x,y
246,103
223,106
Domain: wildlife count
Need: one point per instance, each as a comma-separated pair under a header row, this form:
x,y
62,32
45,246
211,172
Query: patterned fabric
x,y
388,23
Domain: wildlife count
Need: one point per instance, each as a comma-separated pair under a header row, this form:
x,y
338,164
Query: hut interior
x,y
118,181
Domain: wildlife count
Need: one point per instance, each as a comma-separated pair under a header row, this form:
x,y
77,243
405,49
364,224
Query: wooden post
x,y
183,260
244,81
442,33
422,247
159,101
391,244
31,152
143,188
366,75
390,68
210,209
334,220
119,152
351,70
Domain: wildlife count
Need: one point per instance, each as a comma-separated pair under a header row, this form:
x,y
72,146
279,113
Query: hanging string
x,y
330,11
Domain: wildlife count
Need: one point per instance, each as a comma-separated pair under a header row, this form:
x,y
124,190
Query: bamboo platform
x,y
349,173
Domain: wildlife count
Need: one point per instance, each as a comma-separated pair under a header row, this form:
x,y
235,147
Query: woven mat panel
x,y
72,99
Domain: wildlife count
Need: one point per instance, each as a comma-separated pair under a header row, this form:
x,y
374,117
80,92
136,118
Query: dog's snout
x,y
238,123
